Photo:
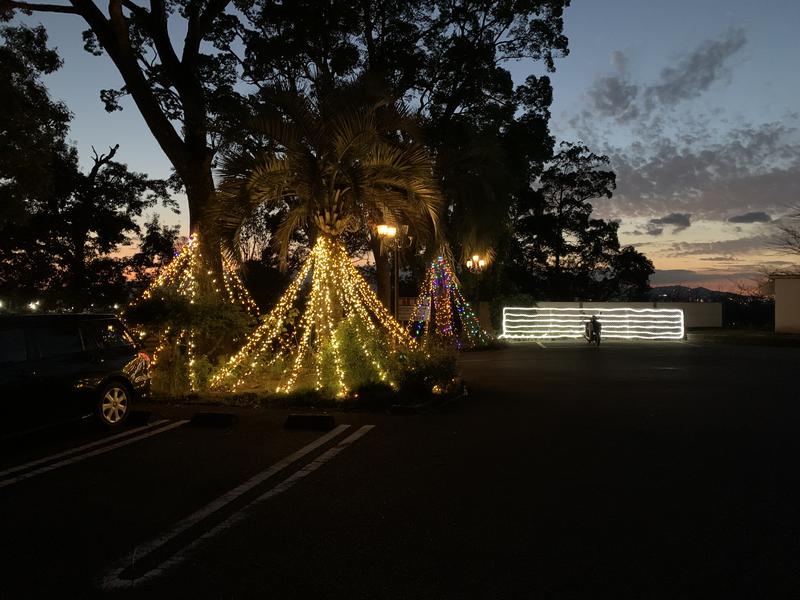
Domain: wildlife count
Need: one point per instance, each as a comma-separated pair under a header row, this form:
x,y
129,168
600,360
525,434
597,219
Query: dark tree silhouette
x,y
629,275
574,176
158,243
448,53
185,95
559,246
60,226
450,61
32,126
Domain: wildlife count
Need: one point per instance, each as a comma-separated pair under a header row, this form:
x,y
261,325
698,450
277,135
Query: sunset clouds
x,y
702,182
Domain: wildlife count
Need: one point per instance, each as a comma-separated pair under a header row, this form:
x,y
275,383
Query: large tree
x,y
185,94
59,227
339,169
33,126
629,275
574,176
450,60
67,247
559,246
451,56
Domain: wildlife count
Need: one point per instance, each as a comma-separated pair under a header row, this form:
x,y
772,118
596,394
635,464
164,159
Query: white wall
x,y
787,305
695,314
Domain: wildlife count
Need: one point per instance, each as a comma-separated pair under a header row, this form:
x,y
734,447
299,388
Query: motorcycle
x,y
592,333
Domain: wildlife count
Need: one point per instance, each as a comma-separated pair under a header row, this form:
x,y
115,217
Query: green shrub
x,y
219,329
409,373
423,369
171,371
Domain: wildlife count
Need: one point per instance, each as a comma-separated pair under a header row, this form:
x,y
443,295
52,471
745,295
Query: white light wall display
x,y
622,323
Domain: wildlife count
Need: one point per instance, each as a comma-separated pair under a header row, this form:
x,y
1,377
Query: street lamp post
x,y
475,265
390,232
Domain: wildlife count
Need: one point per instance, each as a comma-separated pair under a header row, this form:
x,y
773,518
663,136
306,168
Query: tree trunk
x,y
199,184
199,191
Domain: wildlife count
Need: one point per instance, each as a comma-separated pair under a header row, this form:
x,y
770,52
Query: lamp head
x,y
386,230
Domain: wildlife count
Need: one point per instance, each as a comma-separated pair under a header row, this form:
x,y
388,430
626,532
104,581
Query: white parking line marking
x,y
82,457
52,457
113,580
541,344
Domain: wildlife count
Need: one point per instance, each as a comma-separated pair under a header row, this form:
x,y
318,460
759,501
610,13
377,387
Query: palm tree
x,y
335,166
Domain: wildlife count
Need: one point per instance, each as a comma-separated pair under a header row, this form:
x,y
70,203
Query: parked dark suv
x,y
54,367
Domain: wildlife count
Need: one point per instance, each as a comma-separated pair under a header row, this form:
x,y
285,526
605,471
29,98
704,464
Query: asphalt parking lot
x,y
656,470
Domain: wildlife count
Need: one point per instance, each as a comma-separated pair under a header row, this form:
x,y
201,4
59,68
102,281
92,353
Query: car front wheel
x,y
114,404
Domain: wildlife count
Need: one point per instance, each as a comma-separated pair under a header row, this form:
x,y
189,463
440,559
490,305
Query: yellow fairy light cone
x,y
337,294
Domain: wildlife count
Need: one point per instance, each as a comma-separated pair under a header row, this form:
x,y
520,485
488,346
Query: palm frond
x,y
296,218
334,162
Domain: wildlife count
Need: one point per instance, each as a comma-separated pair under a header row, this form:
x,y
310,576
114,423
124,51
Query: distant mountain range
x,y
738,310
680,293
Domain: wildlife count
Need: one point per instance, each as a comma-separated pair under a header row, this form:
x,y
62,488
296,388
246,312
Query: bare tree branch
x,y
789,237
8,5
158,29
100,160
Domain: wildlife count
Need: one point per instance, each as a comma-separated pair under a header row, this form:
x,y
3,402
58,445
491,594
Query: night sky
x,y
695,102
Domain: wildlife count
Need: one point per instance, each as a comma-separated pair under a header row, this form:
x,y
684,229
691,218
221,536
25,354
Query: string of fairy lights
x,y
451,319
338,294
235,289
299,338
183,275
